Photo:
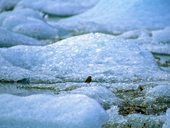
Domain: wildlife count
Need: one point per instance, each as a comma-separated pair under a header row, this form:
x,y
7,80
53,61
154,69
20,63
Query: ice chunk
x,y
29,26
42,111
145,121
101,94
115,16
162,36
59,7
155,41
104,57
114,116
26,12
8,39
160,91
167,123
7,4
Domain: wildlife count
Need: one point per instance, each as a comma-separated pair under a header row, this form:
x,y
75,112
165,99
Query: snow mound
x,y
160,91
28,22
162,36
59,7
8,38
115,16
42,111
102,56
100,94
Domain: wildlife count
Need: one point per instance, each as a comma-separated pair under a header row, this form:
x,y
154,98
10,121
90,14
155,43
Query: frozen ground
x,y
49,48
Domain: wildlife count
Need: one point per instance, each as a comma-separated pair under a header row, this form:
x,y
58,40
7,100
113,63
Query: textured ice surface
x,y
162,36
160,91
7,4
156,41
99,93
167,122
145,121
20,12
30,26
114,116
102,56
115,16
42,111
8,38
59,7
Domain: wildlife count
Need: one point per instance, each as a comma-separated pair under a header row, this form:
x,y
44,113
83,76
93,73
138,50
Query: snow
x,y
114,116
119,16
101,56
167,123
59,7
8,38
7,4
145,121
160,91
101,94
156,41
42,111
162,36
28,22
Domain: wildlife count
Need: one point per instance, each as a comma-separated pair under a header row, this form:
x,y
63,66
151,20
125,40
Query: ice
x,y
162,36
59,7
26,13
8,39
114,116
101,94
160,91
30,23
167,123
42,111
145,121
156,41
115,16
104,57
7,4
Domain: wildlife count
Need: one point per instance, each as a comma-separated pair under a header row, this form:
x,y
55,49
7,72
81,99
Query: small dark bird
x,y
88,80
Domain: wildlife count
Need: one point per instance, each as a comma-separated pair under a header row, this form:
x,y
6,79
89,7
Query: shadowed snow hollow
x,y
7,4
115,16
42,111
73,59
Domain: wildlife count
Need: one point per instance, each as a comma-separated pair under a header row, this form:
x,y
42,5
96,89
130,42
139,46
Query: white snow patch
x,y
42,111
